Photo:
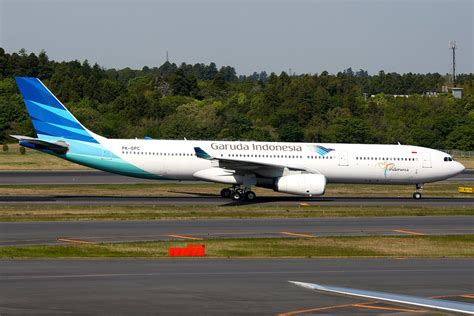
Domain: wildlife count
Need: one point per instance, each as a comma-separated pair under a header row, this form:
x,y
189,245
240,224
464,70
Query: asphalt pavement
x,y
212,200
31,233
221,286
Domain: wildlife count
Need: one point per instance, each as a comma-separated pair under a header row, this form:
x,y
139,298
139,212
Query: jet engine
x,y
301,184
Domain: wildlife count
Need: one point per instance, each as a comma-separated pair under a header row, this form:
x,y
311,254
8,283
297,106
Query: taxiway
x,y
31,233
221,286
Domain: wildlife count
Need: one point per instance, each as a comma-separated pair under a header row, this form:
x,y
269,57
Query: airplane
x,y
294,168
397,299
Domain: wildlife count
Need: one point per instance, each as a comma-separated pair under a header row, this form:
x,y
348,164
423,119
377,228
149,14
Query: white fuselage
x,y
344,163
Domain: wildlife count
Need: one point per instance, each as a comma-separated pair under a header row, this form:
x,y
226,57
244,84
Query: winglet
x,y
202,154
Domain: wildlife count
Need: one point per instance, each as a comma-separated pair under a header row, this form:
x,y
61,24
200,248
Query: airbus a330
x,y
295,168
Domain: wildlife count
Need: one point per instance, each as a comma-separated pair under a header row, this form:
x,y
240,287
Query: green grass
x,y
444,189
33,160
15,213
369,246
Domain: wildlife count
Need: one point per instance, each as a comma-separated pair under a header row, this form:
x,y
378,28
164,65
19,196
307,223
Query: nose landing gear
x,y
238,193
417,194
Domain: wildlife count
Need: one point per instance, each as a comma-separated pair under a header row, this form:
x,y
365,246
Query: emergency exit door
x,y
343,160
426,160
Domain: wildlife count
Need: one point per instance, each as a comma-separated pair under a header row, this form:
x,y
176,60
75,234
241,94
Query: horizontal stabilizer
x,y
35,143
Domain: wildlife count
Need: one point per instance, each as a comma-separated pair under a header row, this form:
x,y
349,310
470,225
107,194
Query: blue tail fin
x,y
49,116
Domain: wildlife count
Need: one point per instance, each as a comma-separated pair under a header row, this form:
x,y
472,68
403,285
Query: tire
x,y
417,195
225,193
250,195
236,196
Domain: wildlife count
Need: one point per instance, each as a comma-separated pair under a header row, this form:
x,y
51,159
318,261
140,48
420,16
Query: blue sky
x,y
306,36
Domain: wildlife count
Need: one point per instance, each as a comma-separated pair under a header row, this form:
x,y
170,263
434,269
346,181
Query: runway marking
x,y
454,295
363,305
359,305
77,241
408,232
185,237
298,235
301,311
367,306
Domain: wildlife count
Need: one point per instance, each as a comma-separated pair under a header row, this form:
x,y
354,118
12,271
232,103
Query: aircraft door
x,y
426,160
343,160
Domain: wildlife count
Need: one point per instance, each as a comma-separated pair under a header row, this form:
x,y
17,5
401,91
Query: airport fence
x,y
459,153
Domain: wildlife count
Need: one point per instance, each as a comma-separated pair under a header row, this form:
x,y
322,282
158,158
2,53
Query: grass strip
x,y
163,189
367,246
33,212
33,160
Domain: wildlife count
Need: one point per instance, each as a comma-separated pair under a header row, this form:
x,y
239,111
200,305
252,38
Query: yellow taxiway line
x,y
408,232
185,237
388,308
301,311
297,235
77,241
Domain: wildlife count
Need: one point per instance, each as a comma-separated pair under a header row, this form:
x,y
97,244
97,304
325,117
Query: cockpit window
x,y
448,159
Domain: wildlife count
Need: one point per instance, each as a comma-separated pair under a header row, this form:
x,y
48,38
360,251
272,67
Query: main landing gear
x,y
238,193
417,194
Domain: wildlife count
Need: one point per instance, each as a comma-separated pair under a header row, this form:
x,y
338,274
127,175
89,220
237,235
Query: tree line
x,y
206,102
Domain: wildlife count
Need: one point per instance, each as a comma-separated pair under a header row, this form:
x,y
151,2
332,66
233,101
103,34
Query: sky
x,y
251,35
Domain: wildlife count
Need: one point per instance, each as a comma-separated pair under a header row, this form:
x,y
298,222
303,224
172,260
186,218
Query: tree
x,y
229,73
198,100
183,84
219,82
291,132
349,130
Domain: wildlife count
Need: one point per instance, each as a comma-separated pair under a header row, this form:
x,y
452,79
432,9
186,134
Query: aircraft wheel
x,y
417,195
225,193
250,195
236,196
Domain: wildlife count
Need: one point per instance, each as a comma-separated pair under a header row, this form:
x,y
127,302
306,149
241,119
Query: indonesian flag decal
x,y
414,152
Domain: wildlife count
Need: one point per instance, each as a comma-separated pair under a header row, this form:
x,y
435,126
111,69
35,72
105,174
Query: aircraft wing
x,y
399,299
241,164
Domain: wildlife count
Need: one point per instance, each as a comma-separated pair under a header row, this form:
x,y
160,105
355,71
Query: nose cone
x,y
457,168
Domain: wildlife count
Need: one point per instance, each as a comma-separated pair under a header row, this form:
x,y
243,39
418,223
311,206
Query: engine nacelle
x,y
302,184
